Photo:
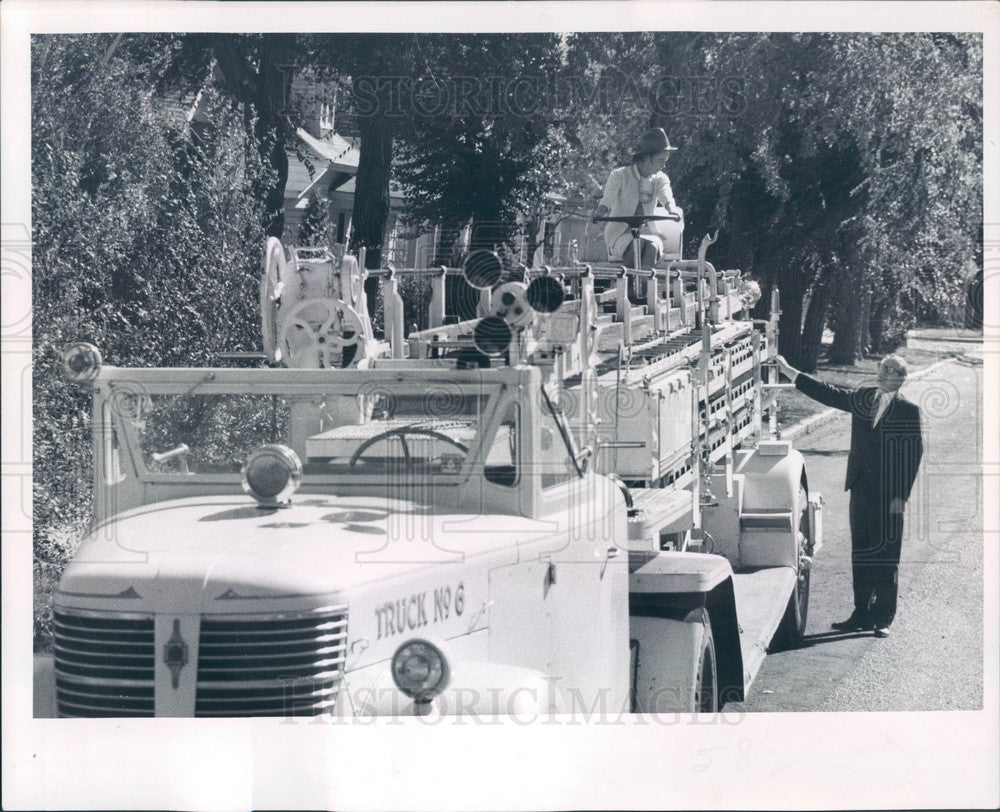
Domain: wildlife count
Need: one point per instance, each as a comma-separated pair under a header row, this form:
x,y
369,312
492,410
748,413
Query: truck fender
x,y
674,599
773,471
476,689
667,657
769,519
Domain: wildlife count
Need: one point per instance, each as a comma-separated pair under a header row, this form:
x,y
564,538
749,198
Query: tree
x,y
843,165
493,148
315,226
144,243
257,70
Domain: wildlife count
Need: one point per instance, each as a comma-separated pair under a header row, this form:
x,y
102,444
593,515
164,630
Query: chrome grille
x,y
104,663
271,665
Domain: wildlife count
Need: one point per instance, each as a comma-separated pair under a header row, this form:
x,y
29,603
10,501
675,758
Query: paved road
x,y
933,660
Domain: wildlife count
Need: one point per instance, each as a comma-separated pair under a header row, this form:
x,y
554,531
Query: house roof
x,y
336,150
350,185
317,162
334,162
181,105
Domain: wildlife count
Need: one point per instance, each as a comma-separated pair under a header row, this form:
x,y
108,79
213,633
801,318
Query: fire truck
x,y
577,499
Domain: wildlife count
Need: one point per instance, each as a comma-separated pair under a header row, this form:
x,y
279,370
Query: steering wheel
x,y
401,433
638,220
330,336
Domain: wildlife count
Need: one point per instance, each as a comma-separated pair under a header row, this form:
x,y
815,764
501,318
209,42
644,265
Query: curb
x,y
813,422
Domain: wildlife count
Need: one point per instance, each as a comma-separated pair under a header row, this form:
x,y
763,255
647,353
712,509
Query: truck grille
x,y
271,665
104,663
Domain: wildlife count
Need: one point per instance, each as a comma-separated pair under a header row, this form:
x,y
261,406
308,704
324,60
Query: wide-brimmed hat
x,y
654,140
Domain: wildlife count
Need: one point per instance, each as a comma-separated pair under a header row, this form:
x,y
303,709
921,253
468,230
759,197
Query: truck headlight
x,y
420,670
271,474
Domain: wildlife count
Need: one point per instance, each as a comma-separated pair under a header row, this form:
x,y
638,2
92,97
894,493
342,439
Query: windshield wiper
x,y
559,417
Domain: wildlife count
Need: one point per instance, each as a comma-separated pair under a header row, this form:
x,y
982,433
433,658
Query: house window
x,y
341,226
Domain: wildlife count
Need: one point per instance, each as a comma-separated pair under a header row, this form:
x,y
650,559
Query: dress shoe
x,y
881,631
854,623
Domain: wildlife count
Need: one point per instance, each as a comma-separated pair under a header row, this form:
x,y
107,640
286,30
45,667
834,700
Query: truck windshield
x,y
333,431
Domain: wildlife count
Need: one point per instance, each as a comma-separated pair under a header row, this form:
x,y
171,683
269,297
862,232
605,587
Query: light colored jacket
x,y
624,190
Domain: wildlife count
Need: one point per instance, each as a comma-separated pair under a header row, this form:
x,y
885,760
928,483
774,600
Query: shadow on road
x,y
833,636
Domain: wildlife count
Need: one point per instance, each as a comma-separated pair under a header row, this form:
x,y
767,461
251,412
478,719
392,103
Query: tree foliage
x,y
851,171
484,150
145,243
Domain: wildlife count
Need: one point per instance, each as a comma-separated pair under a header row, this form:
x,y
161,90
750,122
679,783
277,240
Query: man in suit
x,y
886,447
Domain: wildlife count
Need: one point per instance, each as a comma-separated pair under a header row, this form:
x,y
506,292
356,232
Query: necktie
x,y
881,408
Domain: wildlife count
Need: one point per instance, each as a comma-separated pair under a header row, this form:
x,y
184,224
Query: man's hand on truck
x,y
786,369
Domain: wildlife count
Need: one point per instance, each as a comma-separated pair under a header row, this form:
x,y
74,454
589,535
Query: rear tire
x,y
791,632
706,698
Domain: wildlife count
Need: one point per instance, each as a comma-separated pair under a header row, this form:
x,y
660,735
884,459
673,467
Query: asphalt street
x,y
933,659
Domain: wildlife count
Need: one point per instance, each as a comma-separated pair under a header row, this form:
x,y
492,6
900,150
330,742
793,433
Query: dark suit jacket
x,y
885,457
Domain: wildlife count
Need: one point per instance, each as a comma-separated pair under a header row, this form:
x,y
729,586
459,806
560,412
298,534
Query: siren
x,y
510,303
81,362
492,336
545,294
482,269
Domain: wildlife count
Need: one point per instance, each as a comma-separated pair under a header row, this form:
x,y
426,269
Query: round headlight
x,y
271,474
81,362
420,670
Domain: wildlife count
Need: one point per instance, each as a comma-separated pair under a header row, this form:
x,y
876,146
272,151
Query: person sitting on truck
x,y
886,446
636,189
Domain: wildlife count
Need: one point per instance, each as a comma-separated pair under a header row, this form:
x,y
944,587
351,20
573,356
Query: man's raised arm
x,y
824,393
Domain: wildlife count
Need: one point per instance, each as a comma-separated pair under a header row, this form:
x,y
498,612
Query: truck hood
x,y
191,554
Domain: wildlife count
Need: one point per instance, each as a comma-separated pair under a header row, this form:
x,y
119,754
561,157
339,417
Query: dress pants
x,y
876,541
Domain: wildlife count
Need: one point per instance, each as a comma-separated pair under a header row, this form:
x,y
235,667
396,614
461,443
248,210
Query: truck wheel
x,y
706,699
793,624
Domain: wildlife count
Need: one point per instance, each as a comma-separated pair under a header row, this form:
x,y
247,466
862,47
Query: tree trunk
x,y
445,246
876,328
533,226
274,193
850,325
812,332
790,322
973,318
488,232
790,292
264,91
371,196
864,340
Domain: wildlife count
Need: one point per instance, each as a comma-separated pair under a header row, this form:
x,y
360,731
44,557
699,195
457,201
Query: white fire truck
x,y
570,502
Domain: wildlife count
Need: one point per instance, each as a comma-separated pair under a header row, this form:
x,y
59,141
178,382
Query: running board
x,y
761,597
